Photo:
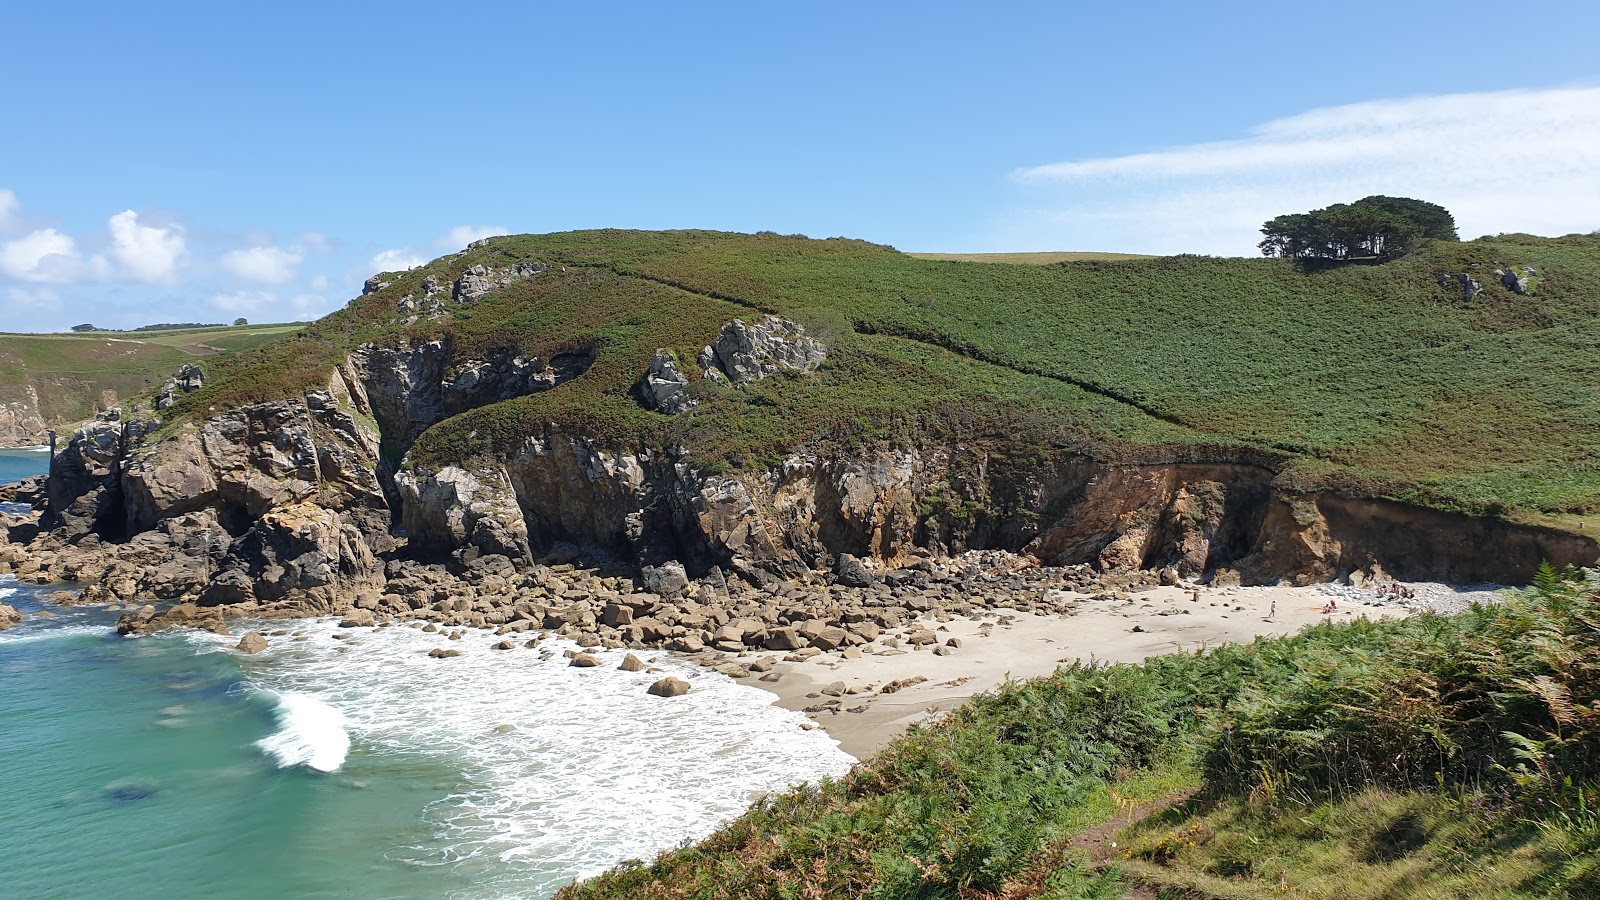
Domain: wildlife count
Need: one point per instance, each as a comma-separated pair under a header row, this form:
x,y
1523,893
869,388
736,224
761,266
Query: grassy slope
x,y
1427,758
1373,378
1030,259
69,371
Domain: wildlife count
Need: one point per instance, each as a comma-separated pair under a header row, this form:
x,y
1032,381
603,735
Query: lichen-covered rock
x,y
480,281
662,387
746,353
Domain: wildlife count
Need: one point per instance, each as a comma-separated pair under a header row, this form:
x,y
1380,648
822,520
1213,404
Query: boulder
x,y
830,638
784,639
9,617
668,579
182,615
584,661
358,618
851,572
669,687
631,663
252,643
894,687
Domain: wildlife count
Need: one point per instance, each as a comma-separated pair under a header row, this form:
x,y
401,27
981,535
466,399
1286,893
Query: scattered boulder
x,y
631,663
441,653
668,579
584,661
669,687
358,618
784,639
252,643
895,687
851,572
9,617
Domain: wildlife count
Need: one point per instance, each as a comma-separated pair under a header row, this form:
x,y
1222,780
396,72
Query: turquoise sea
x,y
350,764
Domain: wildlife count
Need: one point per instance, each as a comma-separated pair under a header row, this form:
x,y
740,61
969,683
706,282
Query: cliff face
x,y
21,424
886,504
289,506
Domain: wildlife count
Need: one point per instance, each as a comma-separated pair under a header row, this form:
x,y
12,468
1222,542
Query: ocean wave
x,y
310,733
23,635
568,771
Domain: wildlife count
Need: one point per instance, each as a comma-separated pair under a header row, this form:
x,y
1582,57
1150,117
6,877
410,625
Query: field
x,y
74,374
1368,379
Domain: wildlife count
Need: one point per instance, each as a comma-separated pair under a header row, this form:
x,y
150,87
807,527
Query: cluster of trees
x,y
1376,229
165,326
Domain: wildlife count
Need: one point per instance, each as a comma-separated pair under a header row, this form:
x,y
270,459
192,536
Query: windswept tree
x,y
1374,228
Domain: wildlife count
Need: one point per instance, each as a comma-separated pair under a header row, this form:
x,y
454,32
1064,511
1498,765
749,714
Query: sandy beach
x,y
845,695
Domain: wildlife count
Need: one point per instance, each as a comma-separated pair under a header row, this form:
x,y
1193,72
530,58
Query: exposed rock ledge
x,y
292,508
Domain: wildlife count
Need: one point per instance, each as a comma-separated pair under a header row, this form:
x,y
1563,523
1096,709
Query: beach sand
x,y
1004,643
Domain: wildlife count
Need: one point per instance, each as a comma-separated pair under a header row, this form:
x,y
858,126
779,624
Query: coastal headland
x,y
873,484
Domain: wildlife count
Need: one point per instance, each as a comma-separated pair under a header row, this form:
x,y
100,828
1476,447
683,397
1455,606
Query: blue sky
x,y
201,161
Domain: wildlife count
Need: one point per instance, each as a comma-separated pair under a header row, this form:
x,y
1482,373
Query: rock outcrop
x,y
299,558
662,388
744,353
9,617
21,423
189,379
481,281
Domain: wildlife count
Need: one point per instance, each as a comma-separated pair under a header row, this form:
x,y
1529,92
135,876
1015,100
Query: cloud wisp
x,y
1521,160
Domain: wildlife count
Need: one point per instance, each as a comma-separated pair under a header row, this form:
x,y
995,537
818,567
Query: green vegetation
x,y
1030,259
1377,228
73,374
1367,379
1430,757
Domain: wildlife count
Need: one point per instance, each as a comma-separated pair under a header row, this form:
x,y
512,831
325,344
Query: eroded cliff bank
x,y
317,503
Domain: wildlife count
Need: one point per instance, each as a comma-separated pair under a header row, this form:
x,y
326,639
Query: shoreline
x,y
844,696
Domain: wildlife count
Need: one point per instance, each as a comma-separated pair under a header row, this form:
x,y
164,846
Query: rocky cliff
x,y
319,501
21,424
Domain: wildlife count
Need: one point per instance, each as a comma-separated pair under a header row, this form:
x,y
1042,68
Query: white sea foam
x,y
568,770
53,633
310,733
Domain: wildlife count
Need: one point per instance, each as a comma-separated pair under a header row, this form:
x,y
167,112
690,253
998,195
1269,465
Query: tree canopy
x,y
1375,228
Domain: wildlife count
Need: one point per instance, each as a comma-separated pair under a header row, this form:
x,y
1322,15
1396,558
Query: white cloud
x,y
396,261
460,236
261,306
239,302
1505,161
45,255
146,253
320,283
313,243
267,265
33,298
8,208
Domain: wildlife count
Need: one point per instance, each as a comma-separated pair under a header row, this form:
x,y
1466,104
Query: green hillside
x,y
72,372
1427,758
1372,379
